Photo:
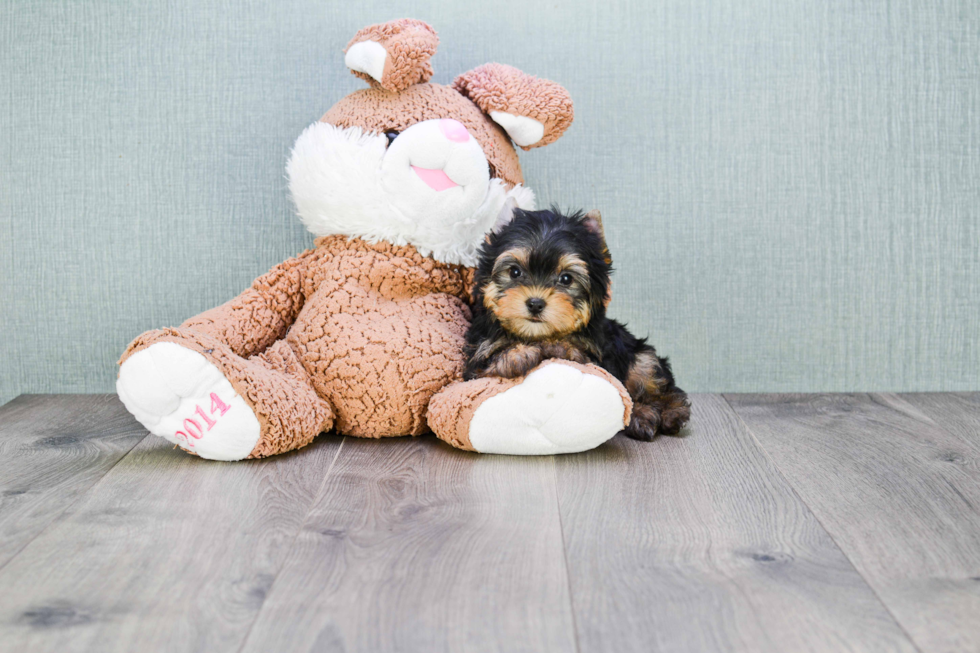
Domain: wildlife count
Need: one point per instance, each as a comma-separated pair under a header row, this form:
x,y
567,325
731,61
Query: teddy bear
x,y
399,184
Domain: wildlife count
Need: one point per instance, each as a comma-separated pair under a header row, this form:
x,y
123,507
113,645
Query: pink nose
x,y
454,130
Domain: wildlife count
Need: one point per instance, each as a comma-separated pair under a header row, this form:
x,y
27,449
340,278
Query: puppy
x,y
542,287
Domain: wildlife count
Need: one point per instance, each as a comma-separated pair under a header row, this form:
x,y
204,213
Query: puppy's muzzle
x,y
535,305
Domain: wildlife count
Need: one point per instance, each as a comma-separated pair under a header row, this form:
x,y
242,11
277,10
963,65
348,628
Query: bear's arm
x,y
255,319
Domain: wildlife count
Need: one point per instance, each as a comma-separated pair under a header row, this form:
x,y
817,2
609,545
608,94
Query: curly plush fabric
x,y
376,110
377,330
497,87
451,410
261,315
409,45
381,332
273,384
361,336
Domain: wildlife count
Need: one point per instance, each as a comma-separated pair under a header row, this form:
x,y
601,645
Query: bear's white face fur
x,y
430,188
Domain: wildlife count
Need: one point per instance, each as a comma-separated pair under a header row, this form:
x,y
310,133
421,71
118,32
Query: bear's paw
x,y
558,408
177,394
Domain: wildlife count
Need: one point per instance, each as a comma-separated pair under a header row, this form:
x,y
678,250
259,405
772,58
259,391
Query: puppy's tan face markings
x,y
558,317
510,259
512,284
501,276
575,267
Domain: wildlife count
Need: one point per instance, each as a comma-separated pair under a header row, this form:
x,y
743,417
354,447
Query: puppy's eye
x,y
515,272
391,136
565,279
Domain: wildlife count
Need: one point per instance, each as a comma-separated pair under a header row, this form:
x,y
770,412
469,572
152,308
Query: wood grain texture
x,y
957,412
414,546
898,493
698,544
729,539
167,553
53,449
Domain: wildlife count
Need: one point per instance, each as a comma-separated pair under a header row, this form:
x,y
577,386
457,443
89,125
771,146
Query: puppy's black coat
x,y
542,285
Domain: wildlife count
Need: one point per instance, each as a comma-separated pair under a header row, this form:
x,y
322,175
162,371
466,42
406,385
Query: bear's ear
x,y
533,112
393,55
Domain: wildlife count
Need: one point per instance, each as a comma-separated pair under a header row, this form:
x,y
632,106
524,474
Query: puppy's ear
x,y
593,222
393,55
533,112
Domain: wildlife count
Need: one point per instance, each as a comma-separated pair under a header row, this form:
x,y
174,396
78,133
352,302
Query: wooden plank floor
x,y
778,523
899,494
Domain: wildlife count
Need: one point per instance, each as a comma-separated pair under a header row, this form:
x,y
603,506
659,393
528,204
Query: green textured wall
x,y
791,188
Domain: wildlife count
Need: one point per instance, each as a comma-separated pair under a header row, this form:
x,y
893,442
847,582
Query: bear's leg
x,y
195,392
559,407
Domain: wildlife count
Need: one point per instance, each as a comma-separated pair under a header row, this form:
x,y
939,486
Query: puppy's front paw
x,y
664,417
558,408
675,414
177,394
644,424
514,362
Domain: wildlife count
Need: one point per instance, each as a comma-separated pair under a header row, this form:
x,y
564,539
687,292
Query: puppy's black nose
x,y
535,305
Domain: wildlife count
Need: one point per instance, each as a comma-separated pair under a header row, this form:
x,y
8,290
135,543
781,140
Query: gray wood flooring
x,y
777,523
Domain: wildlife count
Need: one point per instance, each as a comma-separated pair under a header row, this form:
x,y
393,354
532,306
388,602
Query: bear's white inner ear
x,y
367,57
525,131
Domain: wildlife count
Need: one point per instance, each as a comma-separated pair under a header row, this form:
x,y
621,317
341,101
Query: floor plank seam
x,y
952,433
292,543
793,489
81,495
564,555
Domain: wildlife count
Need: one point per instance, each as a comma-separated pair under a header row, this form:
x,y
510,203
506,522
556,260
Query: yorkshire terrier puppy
x,y
542,286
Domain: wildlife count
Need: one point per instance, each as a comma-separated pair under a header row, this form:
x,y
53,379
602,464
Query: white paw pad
x,y
177,394
557,409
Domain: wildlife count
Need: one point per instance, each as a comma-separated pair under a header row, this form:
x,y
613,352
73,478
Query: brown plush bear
x,y
363,334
